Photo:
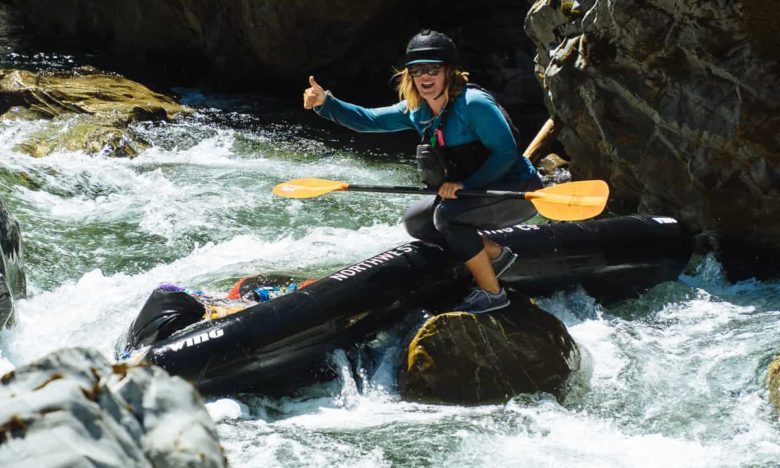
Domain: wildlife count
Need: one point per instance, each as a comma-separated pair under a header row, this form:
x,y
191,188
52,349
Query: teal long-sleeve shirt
x,y
472,116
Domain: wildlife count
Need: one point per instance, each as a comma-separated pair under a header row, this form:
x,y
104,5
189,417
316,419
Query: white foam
x,y
553,437
78,313
226,408
6,366
676,381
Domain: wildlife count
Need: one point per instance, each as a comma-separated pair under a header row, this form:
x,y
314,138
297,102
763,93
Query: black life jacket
x,y
439,163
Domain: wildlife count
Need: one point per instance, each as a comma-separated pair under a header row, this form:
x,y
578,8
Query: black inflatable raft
x,y
277,344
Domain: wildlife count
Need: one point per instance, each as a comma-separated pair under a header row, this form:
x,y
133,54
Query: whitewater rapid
x,y
676,377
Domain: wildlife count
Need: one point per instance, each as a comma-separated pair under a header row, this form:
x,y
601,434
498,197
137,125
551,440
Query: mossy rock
x,y
462,358
552,163
86,134
90,110
48,95
773,382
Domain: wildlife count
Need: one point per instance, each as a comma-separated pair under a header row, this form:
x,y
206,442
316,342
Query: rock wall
x,y
677,104
271,46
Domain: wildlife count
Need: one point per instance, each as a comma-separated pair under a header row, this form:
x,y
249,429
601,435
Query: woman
x,y
469,131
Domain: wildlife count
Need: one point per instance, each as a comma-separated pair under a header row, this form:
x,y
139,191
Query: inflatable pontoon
x,y
279,343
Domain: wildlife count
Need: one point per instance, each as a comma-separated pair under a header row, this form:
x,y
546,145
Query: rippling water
x,y
676,377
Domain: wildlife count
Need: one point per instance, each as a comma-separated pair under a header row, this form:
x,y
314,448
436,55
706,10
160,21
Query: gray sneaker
x,y
480,301
504,260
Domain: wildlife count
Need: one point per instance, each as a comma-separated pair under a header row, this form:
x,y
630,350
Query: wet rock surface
x,y
89,110
773,382
677,105
462,358
73,408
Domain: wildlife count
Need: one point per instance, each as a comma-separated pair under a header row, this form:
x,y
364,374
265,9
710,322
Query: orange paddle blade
x,y
308,187
572,201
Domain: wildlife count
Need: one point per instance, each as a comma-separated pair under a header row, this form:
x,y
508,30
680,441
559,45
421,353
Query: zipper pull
x,y
439,137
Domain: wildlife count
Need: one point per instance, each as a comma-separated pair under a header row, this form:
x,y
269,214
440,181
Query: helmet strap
x,y
446,83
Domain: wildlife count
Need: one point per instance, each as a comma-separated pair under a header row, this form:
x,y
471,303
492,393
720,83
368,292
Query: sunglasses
x,y
432,69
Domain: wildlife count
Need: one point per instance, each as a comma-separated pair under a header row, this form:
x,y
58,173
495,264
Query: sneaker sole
x,y
502,306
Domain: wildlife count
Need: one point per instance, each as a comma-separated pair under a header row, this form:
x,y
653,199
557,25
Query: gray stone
x,y
677,105
73,408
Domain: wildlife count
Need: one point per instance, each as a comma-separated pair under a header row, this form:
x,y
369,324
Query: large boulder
x,y
87,91
13,282
97,106
462,358
677,105
73,408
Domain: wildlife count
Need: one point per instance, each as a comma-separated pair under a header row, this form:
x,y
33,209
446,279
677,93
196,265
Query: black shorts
x,y
454,223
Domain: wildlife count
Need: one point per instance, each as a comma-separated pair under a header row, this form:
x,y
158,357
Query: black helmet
x,y
431,47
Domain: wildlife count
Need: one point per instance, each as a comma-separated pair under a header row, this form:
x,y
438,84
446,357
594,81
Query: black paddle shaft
x,y
430,191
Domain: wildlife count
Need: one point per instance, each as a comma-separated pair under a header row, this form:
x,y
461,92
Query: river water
x,y
676,377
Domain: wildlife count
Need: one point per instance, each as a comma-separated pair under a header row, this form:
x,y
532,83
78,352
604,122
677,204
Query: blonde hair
x,y
456,80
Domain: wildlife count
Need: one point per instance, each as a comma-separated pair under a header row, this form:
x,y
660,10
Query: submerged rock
x,y
90,110
13,282
464,358
677,104
89,134
73,408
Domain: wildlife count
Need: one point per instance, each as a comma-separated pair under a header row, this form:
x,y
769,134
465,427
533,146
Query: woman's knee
x,y
418,220
420,227
415,228
442,218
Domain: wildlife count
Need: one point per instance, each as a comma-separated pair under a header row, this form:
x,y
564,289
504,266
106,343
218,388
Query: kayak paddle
x,y
570,201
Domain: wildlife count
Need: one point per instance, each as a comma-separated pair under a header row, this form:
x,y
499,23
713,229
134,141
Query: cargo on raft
x,y
278,344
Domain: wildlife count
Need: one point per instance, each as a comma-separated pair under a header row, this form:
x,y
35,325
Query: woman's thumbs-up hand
x,y
314,95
